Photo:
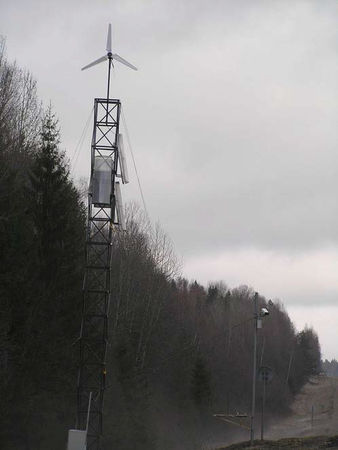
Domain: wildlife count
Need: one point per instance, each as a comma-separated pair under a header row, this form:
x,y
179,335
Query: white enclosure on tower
x,y
101,183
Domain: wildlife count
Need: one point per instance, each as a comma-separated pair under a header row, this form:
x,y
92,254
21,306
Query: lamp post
x,y
257,324
254,371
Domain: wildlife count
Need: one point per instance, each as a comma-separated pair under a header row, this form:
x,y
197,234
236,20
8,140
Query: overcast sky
x,y
233,122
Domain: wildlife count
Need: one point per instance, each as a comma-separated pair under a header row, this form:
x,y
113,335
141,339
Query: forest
x,y
179,352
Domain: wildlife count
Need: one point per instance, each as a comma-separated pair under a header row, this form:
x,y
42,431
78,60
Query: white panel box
x,y
119,206
77,440
123,161
101,184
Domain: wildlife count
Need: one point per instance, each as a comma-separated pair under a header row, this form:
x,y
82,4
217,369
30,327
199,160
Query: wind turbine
x,y
110,57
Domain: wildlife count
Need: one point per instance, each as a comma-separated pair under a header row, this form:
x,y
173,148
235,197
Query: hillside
x,y
320,392
298,430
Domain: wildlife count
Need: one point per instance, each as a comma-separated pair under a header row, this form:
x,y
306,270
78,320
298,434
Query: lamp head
x,y
264,312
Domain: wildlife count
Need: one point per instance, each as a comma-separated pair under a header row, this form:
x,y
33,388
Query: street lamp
x,y
257,324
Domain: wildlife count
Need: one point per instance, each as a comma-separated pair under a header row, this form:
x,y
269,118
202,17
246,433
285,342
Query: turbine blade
x,y
97,61
109,39
123,61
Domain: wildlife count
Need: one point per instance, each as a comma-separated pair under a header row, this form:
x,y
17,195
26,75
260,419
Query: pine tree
x,y
55,202
51,319
58,218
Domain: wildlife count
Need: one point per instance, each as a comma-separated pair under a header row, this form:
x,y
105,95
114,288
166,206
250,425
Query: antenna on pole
x,y
110,57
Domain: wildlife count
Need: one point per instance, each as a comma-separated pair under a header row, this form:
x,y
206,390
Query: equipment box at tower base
x,y
77,440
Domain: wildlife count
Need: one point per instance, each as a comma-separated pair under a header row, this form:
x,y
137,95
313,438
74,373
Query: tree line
x,y
179,352
330,368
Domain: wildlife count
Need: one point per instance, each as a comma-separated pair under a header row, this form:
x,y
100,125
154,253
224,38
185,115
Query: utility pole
x,y
263,405
254,371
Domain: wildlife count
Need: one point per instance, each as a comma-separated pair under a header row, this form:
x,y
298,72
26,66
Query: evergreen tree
x,y
57,214
58,218
309,351
45,314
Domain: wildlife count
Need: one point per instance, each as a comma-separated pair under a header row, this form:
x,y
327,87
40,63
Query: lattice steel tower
x,y
105,212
